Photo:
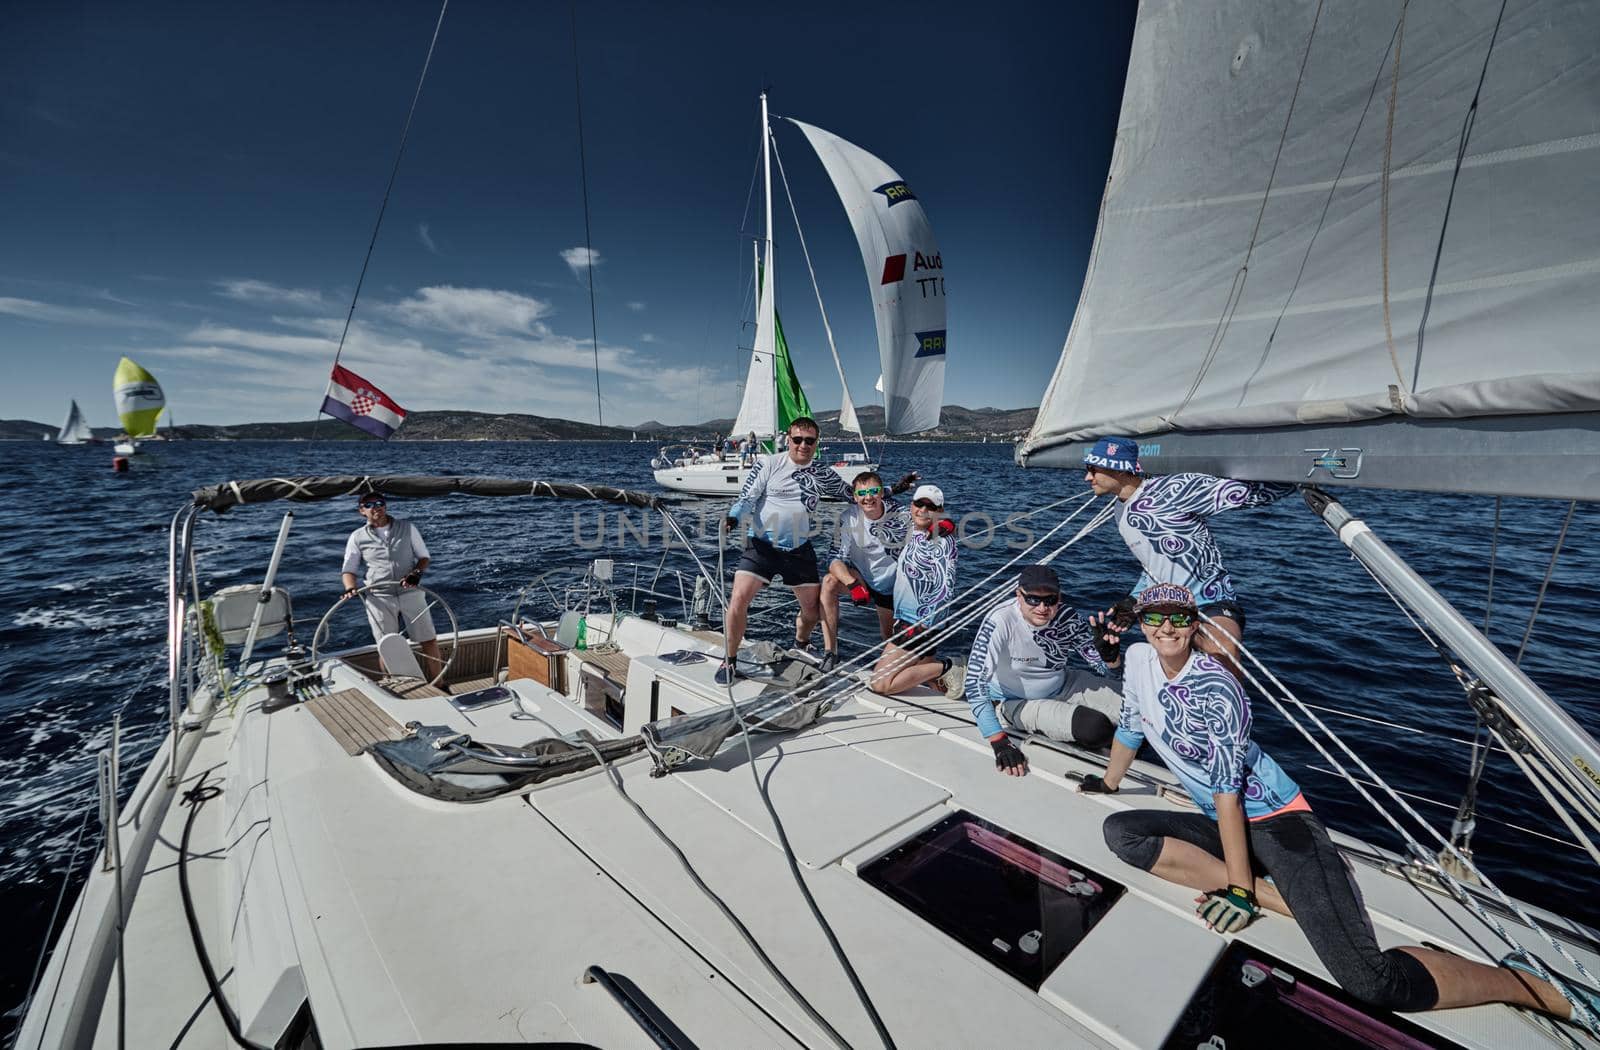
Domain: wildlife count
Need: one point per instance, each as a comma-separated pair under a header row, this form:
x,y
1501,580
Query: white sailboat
x,y
600,847
75,430
906,277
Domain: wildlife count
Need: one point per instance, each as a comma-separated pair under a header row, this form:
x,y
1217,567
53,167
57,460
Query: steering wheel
x,y
393,587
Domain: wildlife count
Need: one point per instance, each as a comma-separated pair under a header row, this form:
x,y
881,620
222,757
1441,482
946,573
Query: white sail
x,y
74,429
1266,247
758,412
904,272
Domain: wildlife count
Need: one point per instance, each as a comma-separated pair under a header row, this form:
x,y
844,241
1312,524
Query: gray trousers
x,y
1053,717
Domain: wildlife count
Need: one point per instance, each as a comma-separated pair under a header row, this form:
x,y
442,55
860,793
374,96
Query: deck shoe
x,y
829,661
725,673
954,679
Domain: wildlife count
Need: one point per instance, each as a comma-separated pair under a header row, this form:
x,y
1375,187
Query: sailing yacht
x,y
75,430
570,836
139,402
908,299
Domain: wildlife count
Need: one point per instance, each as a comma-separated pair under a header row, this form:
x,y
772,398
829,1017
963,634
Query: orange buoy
x,y
119,464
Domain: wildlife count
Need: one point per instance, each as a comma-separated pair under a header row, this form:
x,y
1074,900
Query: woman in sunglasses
x,y
925,580
1254,823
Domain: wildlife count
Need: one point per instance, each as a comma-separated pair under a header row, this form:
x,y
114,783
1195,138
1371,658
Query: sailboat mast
x,y
767,317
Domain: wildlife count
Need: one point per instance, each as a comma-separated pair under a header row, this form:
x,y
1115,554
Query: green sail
x,y
792,403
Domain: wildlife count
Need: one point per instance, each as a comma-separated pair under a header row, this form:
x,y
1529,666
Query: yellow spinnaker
x,y
139,398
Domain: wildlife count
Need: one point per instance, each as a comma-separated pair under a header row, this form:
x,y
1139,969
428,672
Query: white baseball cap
x,y
932,493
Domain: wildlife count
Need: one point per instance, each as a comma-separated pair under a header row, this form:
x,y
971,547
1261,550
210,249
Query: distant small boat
x,y
74,429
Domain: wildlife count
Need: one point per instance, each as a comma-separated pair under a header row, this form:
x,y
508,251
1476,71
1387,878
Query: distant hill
x,y
957,424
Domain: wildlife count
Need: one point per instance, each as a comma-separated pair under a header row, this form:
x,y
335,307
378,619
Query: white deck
x,y
407,920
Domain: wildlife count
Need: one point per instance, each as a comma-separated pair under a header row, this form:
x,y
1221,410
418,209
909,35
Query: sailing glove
x,y
732,524
350,592
1094,784
412,578
858,594
1008,757
1229,910
946,527
1122,614
1110,649
906,482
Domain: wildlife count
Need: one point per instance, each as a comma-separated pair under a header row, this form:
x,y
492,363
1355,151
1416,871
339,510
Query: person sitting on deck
x,y
1018,672
861,562
924,583
1163,521
396,556
1255,825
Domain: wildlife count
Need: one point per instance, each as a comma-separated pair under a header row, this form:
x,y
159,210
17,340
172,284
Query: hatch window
x,y
1018,905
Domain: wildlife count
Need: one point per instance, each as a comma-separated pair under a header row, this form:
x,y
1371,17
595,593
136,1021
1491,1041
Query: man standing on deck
x,y
861,562
395,556
781,494
1017,672
1163,520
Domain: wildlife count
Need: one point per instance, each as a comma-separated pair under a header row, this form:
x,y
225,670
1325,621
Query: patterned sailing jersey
x,y
1164,524
1199,723
1013,660
925,578
782,496
872,547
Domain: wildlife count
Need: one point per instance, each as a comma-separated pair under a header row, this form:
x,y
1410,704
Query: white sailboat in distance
x,y
75,429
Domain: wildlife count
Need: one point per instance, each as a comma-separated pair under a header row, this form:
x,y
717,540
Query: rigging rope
x,y
588,243
1544,586
1383,202
366,261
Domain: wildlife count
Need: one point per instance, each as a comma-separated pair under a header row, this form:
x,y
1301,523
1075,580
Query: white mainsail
x,y
905,274
1267,245
75,429
758,411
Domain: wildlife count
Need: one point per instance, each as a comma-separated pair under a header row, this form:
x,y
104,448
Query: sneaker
x,y
829,661
725,673
954,680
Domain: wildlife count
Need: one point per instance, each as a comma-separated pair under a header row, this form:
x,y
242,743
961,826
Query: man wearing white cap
x,y
925,581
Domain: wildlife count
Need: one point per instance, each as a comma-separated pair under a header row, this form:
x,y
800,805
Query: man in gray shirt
x,y
394,554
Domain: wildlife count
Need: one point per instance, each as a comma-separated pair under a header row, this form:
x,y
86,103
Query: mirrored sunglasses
x,y
875,491
1177,619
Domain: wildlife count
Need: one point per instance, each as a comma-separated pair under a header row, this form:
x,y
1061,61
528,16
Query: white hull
x,y
126,448
725,479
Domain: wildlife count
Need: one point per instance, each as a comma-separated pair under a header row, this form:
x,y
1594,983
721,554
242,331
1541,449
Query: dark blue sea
x,y
82,620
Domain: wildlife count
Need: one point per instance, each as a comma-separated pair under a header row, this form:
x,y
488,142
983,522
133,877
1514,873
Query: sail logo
x,y
1338,462
896,192
930,344
894,269
141,391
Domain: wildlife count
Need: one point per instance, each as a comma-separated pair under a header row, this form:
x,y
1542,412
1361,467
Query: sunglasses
x,y
1177,619
864,493
793,440
926,504
1049,601
368,504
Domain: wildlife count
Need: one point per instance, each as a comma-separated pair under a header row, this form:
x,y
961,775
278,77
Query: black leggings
x,y
1309,874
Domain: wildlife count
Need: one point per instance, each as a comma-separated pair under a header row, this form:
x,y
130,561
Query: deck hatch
x,y
1020,906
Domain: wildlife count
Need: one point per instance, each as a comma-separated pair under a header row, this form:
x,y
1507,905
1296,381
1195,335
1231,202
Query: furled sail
x,y
904,272
1274,262
75,429
792,402
758,411
139,398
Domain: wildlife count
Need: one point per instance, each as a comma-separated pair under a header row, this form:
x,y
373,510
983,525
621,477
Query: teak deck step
x,y
613,665
353,720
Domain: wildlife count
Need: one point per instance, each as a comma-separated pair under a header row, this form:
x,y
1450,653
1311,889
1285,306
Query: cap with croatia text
x,y
1114,453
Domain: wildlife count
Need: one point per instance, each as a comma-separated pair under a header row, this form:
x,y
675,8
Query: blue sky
x,y
195,187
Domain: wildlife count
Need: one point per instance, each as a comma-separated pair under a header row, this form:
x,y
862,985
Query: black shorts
x,y
797,567
913,638
1232,610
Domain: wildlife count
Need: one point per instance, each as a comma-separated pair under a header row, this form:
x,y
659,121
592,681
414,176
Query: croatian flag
x,y
361,404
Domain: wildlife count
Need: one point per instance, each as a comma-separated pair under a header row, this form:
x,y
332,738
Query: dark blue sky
x,y
195,186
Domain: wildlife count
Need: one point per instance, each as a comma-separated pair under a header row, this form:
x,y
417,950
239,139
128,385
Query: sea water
x,y
83,618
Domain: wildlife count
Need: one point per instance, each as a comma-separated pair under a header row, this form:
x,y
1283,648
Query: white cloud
x,y
427,241
55,313
252,291
636,306
472,311
272,341
580,259
648,337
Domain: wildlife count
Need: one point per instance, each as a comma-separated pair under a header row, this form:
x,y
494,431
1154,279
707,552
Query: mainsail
x,y
1295,271
139,398
904,272
75,429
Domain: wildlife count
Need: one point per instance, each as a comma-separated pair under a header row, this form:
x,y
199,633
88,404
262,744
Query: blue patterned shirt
x,y
872,547
1199,723
925,578
1012,659
782,496
1164,524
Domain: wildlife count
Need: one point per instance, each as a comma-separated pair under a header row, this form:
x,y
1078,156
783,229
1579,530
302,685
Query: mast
x,y
767,317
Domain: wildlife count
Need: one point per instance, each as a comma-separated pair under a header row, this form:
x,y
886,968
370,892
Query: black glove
x,y
1094,784
1122,614
1110,650
1229,910
906,482
412,578
1008,756
350,592
732,524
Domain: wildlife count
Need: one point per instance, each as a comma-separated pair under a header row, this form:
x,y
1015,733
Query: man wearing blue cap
x,y
1163,521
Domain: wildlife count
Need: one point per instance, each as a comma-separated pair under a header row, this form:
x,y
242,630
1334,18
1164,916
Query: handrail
x,y
632,1007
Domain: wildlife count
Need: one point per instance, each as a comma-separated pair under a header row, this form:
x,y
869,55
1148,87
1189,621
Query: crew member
x,y
395,557
1017,672
1255,842
861,563
924,584
1163,521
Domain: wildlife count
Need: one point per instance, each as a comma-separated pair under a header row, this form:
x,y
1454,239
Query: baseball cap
x,y
1164,594
1039,578
932,493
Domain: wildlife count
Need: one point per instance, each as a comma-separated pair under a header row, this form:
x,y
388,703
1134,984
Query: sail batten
x,y
1245,256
